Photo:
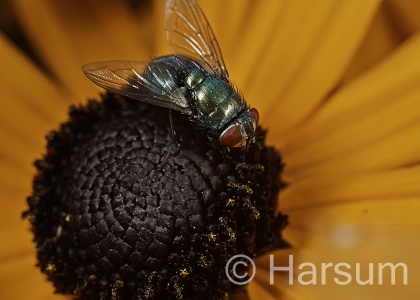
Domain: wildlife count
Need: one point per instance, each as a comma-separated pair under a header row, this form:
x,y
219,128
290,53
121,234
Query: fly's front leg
x,y
171,143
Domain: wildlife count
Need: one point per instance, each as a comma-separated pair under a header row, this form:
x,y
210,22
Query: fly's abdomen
x,y
216,101
166,71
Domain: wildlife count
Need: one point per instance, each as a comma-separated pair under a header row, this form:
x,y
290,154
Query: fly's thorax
x,y
214,99
241,132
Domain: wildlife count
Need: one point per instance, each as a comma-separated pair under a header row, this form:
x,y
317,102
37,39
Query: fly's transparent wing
x,y
128,78
189,33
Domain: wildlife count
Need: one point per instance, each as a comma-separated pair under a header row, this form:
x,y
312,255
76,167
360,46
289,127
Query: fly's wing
x,y
189,33
127,78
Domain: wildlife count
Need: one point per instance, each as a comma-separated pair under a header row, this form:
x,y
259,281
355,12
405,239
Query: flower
x,y
336,84
117,211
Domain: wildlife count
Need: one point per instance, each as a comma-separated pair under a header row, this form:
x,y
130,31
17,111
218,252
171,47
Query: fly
x,y
193,80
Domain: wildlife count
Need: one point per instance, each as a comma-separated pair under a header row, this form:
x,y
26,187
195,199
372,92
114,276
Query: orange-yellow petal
x,y
375,230
370,124
21,281
381,39
67,35
404,14
31,105
327,188
295,53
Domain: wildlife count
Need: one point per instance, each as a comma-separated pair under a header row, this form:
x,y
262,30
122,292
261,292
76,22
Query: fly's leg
x,y
172,141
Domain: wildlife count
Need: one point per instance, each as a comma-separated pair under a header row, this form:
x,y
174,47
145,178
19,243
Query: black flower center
x,y
115,216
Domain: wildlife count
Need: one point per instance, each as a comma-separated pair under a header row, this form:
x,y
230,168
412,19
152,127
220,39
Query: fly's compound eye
x,y
255,115
231,137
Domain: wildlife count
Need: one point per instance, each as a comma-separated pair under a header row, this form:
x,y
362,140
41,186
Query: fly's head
x,y
241,132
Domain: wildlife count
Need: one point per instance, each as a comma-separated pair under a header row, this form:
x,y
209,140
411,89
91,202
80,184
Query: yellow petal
x,y
404,14
160,45
13,228
381,39
67,35
258,291
31,106
394,22
226,18
24,78
280,288
370,124
295,52
21,281
369,231
355,187
229,20
19,277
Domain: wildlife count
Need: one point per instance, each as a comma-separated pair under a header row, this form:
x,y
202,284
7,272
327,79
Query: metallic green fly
x,y
193,80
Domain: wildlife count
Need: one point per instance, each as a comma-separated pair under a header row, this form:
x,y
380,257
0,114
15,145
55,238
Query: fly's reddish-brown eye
x,y
231,137
255,114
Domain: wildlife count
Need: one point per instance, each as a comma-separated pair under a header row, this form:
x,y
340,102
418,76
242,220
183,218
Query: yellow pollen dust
x,y
246,166
116,286
242,187
229,230
51,268
230,202
212,237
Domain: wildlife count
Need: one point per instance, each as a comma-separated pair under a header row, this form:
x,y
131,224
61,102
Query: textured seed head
x,y
114,219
